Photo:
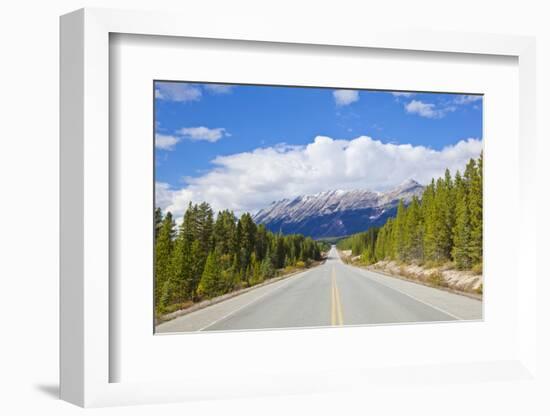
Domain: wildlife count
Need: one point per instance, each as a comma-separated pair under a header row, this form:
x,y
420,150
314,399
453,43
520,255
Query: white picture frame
x,y
86,354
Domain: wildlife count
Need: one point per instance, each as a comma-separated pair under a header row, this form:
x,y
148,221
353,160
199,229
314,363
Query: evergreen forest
x,y
444,225
206,257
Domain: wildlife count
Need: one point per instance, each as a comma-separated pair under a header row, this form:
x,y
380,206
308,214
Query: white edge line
x,y
400,291
406,294
291,279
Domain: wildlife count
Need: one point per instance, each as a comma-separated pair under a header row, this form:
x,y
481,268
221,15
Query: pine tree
x,y
367,257
224,232
261,242
475,206
236,270
225,262
205,227
178,287
462,228
163,254
440,217
430,216
383,246
201,229
379,251
196,267
211,282
247,239
255,270
267,269
398,233
279,252
448,214
414,232
188,228
158,221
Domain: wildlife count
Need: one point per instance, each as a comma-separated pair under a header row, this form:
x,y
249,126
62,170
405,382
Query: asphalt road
x,y
331,294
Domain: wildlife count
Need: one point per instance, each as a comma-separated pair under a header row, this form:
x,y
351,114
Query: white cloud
x,y
182,92
203,133
163,194
169,142
177,91
166,142
431,110
218,88
467,99
252,180
402,94
427,110
345,97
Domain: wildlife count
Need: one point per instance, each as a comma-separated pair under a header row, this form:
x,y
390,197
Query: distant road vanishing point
x,y
332,294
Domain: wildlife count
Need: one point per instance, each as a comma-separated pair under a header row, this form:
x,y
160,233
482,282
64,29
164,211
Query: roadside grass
x,y
175,307
430,273
433,264
436,279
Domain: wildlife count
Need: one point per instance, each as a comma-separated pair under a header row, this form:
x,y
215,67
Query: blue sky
x,y
212,136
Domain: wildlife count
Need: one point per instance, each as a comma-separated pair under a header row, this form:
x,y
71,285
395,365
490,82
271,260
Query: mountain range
x,y
336,213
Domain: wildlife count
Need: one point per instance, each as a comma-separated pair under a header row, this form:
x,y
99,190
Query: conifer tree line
x,y
446,224
206,257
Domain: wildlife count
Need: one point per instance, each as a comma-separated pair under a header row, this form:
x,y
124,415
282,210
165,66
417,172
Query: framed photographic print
x,y
260,217
245,206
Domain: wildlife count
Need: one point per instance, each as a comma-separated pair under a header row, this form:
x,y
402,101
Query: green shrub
x,y
172,308
267,269
477,268
432,264
479,290
436,279
288,269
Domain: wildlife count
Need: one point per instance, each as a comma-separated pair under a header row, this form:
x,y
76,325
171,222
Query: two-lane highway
x,y
331,294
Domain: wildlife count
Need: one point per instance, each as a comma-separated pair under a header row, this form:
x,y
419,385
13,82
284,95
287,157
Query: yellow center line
x,y
336,316
332,306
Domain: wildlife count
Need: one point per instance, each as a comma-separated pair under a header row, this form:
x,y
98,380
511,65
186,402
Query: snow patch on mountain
x,y
336,212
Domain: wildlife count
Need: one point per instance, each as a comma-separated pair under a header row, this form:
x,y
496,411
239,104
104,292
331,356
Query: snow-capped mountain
x,y
336,213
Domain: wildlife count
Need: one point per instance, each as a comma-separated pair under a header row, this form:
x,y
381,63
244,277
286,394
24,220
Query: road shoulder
x,y
209,302
206,316
462,307
419,282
